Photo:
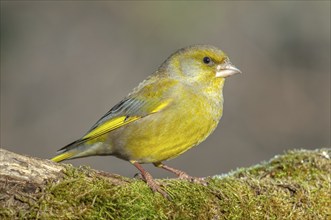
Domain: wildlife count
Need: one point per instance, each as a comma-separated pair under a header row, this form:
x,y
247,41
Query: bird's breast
x,y
168,133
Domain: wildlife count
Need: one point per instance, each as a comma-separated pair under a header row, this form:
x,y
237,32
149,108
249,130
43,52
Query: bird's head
x,y
200,64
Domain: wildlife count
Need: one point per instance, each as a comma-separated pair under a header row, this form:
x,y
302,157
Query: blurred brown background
x,y
65,64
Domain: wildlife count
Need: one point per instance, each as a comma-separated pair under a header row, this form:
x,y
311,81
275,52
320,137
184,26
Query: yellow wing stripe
x,y
109,126
63,156
164,104
120,121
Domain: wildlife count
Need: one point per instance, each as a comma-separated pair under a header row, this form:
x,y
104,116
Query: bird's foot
x,y
147,177
182,175
192,179
155,187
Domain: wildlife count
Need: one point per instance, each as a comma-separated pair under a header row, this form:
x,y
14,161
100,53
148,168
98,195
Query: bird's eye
x,y
206,60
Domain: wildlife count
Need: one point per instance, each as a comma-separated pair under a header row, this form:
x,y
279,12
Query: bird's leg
x,y
147,177
180,174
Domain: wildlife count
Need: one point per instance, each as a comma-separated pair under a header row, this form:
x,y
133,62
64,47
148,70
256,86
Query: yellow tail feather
x,y
63,156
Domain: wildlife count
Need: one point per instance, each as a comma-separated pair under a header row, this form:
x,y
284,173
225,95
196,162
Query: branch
x,y
295,185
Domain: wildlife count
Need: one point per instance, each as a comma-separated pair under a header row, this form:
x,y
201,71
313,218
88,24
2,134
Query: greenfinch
x,y
173,110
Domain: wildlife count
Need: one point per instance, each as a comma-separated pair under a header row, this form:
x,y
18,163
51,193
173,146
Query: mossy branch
x,y
295,185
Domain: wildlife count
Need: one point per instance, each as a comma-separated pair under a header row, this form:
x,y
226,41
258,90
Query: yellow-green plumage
x,y
173,110
184,123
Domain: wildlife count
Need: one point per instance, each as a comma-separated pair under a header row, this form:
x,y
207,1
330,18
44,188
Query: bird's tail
x,y
69,151
82,148
63,156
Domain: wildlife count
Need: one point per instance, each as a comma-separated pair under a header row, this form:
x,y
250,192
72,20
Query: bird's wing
x,y
125,112
149,98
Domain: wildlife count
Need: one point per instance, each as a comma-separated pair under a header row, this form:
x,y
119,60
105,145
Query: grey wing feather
x,y
127,107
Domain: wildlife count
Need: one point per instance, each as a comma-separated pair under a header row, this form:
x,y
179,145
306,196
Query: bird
x,y
174,109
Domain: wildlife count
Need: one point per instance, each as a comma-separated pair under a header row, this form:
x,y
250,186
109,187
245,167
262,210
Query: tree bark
x,y
295,185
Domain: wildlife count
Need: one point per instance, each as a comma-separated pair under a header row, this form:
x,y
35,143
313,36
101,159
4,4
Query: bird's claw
x,y
155,187
199,180
138,176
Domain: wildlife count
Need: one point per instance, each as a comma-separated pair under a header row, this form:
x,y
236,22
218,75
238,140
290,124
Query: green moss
x,y
292,186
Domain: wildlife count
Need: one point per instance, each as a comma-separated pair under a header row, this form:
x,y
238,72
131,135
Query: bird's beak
x,y
227,69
